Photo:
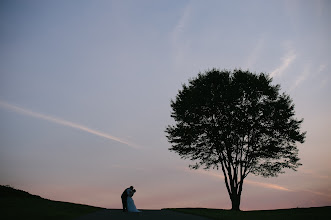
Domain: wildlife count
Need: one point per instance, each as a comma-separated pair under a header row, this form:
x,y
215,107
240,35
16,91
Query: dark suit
x,y
124,197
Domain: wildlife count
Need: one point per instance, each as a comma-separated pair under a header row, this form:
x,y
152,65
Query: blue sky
x,y
85,90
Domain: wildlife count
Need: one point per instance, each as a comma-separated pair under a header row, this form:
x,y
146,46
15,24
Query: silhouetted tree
x,y
236,121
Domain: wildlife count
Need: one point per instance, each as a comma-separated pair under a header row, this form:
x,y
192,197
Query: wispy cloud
x,y
180,45
324,81
268,185
324,194
322,67
63,122
261,184
182,22
302,77
313,174
307,72
287,60
256,53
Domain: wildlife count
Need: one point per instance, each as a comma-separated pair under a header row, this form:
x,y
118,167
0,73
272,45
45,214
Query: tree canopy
x,y
236,121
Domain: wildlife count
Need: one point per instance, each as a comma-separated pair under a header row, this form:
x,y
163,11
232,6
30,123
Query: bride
x,y
130,203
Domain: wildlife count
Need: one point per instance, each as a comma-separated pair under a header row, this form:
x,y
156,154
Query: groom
x,y
124,197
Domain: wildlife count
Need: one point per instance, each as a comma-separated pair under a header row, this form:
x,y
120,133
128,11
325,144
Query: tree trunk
x,y
235,200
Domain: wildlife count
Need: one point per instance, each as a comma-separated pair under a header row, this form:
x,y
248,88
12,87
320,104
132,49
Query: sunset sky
x,y
85,90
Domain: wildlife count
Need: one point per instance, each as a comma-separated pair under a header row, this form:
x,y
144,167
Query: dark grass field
x,y
317,213
17,204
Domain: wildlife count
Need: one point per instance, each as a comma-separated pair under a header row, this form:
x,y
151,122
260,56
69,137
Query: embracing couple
x,y
127,201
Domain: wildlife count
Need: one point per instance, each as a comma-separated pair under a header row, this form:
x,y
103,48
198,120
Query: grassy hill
x,y
17,204
316,213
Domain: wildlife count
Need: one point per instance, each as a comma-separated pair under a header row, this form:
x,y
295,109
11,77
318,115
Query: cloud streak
x,y
287,59
261,184
268,185
302,77
256,53
63,122
179,44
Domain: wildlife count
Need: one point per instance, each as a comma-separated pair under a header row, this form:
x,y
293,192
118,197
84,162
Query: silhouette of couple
x,y
127,201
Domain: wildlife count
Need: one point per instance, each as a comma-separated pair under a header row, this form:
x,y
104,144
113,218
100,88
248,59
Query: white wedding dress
x,y
131,206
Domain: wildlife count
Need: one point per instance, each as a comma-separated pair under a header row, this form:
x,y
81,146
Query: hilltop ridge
x,y
8,191
18,204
